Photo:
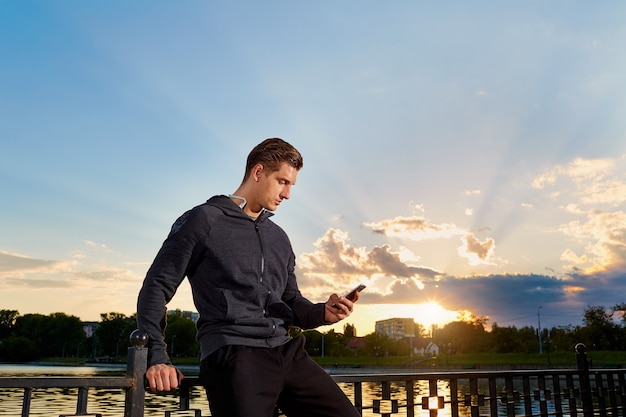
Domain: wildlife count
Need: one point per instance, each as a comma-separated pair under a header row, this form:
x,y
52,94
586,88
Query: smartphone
x,y
352,294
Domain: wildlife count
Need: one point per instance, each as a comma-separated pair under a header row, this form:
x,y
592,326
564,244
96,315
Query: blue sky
x,y
458,157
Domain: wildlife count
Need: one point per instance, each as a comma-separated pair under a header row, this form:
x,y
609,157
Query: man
x,y
241,268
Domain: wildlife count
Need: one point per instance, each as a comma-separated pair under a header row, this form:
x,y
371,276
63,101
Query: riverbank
x,y
491,361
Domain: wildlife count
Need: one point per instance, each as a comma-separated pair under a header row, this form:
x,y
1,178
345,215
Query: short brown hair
x,y
271,153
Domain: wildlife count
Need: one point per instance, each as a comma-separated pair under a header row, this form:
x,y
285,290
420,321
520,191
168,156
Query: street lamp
x,y
172,346
539,326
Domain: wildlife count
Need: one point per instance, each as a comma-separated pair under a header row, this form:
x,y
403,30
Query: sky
x,y
460,158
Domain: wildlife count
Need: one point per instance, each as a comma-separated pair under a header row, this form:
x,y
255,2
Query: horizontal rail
x,y
67,382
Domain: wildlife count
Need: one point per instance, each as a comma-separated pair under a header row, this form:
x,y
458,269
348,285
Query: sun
x,y
431,313
425,314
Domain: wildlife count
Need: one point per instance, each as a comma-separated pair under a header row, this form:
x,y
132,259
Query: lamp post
x,y
172,346
539,326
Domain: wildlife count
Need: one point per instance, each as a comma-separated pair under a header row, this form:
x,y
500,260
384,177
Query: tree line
x,y
58,335
602,329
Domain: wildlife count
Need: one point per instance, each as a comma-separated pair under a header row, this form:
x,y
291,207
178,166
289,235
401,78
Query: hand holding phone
x,y
352,294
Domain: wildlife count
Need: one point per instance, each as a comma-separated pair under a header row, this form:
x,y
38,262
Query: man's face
x,y
274,187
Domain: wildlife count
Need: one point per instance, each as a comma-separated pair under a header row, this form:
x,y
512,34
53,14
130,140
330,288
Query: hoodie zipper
x,y
258,234
269,292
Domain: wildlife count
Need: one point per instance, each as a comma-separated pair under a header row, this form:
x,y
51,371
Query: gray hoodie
x,y
242,277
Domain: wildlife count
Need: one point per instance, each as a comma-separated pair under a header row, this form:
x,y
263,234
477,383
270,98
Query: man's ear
x,y
257,170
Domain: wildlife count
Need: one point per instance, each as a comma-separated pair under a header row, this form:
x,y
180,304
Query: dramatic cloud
x,y
594,190
335,262
418,228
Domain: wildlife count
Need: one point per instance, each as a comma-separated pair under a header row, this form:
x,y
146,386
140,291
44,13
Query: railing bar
x,y
622,389
183,394
474,410
26,401
433,392
410,398
556,388
81,402
571,390
509,391
543,404
493,397
358,396
454,397
599,382
528,407
65,382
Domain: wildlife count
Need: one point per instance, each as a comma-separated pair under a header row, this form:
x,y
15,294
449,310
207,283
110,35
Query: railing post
x,y
583,377
136,369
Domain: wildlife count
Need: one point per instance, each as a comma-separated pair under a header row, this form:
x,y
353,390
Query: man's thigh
x,y
241,381
309,390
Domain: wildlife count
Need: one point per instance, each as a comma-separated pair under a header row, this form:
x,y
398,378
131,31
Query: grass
x,y
611,359
557,359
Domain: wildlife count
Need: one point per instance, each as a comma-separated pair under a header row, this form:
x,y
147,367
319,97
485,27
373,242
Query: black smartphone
x,y
352,294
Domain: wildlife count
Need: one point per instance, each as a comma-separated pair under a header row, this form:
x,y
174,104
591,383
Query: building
x,y
396,328
191,315
90,327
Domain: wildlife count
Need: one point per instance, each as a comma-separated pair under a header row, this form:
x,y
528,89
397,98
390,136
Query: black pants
x,y
242,381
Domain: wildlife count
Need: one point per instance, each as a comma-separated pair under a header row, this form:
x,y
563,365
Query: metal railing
x,y
132,383
551,392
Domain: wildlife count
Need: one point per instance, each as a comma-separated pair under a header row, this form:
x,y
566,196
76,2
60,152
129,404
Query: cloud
x,y
578,170
38,284
335,262
12,265
475,251
415,228
605,234
18,271
472,192
512,298
592,190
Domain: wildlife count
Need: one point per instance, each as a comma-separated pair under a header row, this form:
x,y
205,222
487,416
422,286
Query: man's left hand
x,y
338,308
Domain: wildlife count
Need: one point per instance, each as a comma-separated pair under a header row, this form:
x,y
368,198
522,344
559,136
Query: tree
x,y
378,344
7,322
313,343
113,333
180,335
349,331
53,336
503,339
463,336
19,349
35,328
599,331
66,333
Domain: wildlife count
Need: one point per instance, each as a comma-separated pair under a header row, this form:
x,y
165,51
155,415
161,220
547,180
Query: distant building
x,y
356,343
396,328
426,347
89,327
191,315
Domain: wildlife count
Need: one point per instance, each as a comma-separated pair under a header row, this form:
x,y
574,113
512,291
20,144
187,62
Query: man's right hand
x,y
163,377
